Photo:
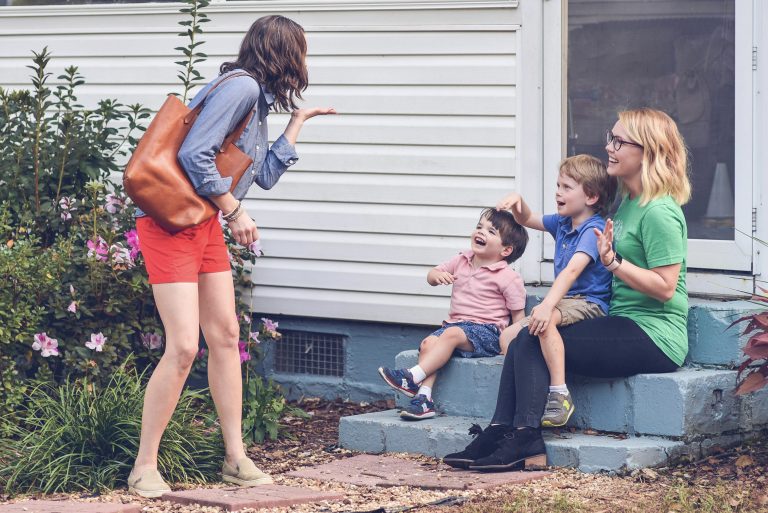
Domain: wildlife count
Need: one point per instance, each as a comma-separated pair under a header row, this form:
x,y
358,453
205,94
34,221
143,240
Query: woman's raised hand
x,y
605,243
311,112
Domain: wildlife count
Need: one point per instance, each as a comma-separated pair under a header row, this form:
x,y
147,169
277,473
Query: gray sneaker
x,y
558,410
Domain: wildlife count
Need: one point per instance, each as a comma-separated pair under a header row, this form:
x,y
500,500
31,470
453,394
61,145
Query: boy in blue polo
x,y
582,286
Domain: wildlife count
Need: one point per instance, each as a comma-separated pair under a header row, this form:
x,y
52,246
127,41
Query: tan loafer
x,y
245,473
149,484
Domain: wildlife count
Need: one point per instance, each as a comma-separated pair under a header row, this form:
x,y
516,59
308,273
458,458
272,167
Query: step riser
x,y
384,432
687,403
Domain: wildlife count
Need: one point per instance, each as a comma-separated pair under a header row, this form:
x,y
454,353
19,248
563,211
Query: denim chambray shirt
x,y
224,108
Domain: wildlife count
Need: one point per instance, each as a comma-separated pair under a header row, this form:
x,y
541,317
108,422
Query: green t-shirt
x,y
652,236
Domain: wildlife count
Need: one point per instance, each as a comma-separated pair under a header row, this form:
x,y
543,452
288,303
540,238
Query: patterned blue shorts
x,y
484,337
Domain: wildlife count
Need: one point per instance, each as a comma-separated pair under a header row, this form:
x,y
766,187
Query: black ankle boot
x,y
519,449
484,444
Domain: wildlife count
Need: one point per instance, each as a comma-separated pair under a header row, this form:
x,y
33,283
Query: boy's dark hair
x,y
512,234
590,173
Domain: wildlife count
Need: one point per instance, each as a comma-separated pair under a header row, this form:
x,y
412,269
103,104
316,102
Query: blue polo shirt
x,y
594,282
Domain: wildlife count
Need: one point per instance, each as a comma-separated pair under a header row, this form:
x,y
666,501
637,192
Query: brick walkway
x,y
235,499
371,470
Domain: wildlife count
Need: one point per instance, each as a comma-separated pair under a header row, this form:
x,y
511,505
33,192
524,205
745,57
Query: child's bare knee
x,y
427,344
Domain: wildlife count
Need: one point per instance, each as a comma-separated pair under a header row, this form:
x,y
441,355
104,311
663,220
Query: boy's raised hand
x,y
510,202
605,243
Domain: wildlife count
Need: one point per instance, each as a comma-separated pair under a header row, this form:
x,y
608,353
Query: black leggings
x,y
606,347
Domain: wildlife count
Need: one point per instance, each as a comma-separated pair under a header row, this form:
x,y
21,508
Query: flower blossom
x,y
255,248
72,307
201,353
121,256
269,324
67,206
98,249
244,354
151,340
254,335
247,318
46,345
97,342
132,238
113,203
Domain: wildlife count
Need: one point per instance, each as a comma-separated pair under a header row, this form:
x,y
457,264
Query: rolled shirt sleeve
x,y
280,157
224,108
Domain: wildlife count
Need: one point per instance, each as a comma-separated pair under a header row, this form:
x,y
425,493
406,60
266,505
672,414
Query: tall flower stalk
x,y
189,75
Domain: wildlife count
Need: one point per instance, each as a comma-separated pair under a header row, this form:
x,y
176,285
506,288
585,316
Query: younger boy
x,y
582,286
486,291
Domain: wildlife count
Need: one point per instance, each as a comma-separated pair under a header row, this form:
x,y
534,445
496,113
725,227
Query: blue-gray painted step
x,y
688,403
386,432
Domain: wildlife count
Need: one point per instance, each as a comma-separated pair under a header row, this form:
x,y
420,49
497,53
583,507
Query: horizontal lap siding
x,y
385,190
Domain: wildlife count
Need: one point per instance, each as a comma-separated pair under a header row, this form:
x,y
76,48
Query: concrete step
x,y
385,432
691,402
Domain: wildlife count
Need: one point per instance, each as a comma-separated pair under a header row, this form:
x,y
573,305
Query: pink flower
x,y
246,318
151,340
46,345
132,238
113,203
255,248
201,354
98,249
72,307
269,324
254,335
121,255
67,206
97,342
244,354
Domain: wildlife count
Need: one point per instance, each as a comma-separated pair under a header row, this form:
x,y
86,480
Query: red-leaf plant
x,y
756,348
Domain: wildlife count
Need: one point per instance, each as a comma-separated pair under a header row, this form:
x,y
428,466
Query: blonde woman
x,y
645,248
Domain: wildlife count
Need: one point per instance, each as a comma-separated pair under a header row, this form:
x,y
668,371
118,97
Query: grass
x,y
77,438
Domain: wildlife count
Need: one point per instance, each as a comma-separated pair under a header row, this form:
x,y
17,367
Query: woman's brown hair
x,y
274,51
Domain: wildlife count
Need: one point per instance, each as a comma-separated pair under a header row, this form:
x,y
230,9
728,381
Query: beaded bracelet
x,y
234,214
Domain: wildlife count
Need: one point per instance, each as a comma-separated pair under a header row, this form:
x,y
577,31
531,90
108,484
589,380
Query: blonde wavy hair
x,y
665,157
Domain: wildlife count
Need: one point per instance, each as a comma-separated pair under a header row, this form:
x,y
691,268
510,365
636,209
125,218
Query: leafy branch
x,y
189,75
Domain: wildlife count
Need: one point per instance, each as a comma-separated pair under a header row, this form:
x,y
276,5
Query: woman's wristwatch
x,y
615,263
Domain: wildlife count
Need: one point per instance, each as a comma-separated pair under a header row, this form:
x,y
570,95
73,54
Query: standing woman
x,y
645,247
189,271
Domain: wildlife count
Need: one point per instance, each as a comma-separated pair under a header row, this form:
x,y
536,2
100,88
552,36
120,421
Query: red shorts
x,y
181,257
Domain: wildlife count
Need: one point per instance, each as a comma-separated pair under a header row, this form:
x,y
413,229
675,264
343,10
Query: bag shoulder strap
x,y
192,116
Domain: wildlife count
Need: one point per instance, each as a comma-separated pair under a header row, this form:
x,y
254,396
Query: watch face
x,y
618,258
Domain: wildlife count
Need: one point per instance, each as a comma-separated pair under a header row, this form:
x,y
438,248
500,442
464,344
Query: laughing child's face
x,y
486,242
571,199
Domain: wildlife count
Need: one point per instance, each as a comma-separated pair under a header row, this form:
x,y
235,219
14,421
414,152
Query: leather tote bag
x,y
155,180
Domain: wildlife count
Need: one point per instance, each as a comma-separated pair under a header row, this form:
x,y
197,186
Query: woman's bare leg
x,y
219,324
178,307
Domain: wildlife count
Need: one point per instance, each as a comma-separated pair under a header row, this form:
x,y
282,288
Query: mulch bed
x,y
731,480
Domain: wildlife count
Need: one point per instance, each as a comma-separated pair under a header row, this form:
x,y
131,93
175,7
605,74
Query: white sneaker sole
x,y
148,494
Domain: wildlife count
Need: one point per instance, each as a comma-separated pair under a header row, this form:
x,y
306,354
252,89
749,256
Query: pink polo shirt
x,y
485,295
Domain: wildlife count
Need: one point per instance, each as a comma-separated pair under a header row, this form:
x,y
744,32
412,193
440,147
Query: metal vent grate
x,y
305,352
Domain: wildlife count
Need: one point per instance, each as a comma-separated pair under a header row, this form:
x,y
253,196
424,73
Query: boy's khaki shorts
x,y
574,309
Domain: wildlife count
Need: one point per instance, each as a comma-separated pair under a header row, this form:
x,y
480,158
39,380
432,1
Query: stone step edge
x,y
380,432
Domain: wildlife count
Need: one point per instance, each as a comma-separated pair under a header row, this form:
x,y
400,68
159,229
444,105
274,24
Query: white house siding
x,y
425,136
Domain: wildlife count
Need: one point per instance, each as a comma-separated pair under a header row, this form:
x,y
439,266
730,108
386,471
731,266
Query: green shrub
x,y
80,437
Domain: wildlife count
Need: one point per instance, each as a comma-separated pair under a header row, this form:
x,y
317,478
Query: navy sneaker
x,y
400,379
420,408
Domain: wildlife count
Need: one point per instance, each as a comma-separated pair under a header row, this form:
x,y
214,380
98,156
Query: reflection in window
x,y
674,55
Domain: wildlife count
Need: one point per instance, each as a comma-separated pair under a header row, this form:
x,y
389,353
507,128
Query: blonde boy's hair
x,y
590,173
665,157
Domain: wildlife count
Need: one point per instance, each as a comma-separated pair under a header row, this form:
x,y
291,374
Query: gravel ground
x,y
731,481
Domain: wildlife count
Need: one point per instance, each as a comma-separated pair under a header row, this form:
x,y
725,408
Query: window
x,y
677,56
